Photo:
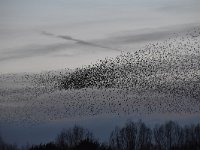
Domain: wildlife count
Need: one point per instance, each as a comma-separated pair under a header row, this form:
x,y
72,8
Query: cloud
x,y
149,35
78,41
41,50
73,49
33,50
181,6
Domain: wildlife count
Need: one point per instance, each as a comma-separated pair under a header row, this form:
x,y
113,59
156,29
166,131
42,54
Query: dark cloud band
x,y
78,41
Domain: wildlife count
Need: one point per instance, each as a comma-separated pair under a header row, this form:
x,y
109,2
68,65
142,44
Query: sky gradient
x,y
42,35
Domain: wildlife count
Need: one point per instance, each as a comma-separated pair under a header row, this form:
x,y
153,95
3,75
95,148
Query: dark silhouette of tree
x,y
168,136
87,144
192,137
5,146
73,136
48,146
144,137
134,136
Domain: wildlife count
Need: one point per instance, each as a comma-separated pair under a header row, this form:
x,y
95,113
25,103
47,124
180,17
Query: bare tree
x,y
134,136
168,136
192,137
73,136
144,139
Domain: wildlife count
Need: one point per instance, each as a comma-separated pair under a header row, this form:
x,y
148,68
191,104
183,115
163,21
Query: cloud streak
x,y
78,41
33,50
73,49
41,50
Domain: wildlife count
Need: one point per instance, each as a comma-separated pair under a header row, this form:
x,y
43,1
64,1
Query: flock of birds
x,y
172,66
163,77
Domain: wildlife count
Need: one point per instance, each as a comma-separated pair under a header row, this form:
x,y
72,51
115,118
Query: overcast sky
x,y
37,35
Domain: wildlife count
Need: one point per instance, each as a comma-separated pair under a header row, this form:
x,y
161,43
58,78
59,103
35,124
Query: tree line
x,y
132,136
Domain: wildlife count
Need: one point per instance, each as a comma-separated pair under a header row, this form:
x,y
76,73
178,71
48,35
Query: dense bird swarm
x,y
162,77
172,66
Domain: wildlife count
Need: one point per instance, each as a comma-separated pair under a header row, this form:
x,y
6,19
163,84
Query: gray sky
x,y
53,34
